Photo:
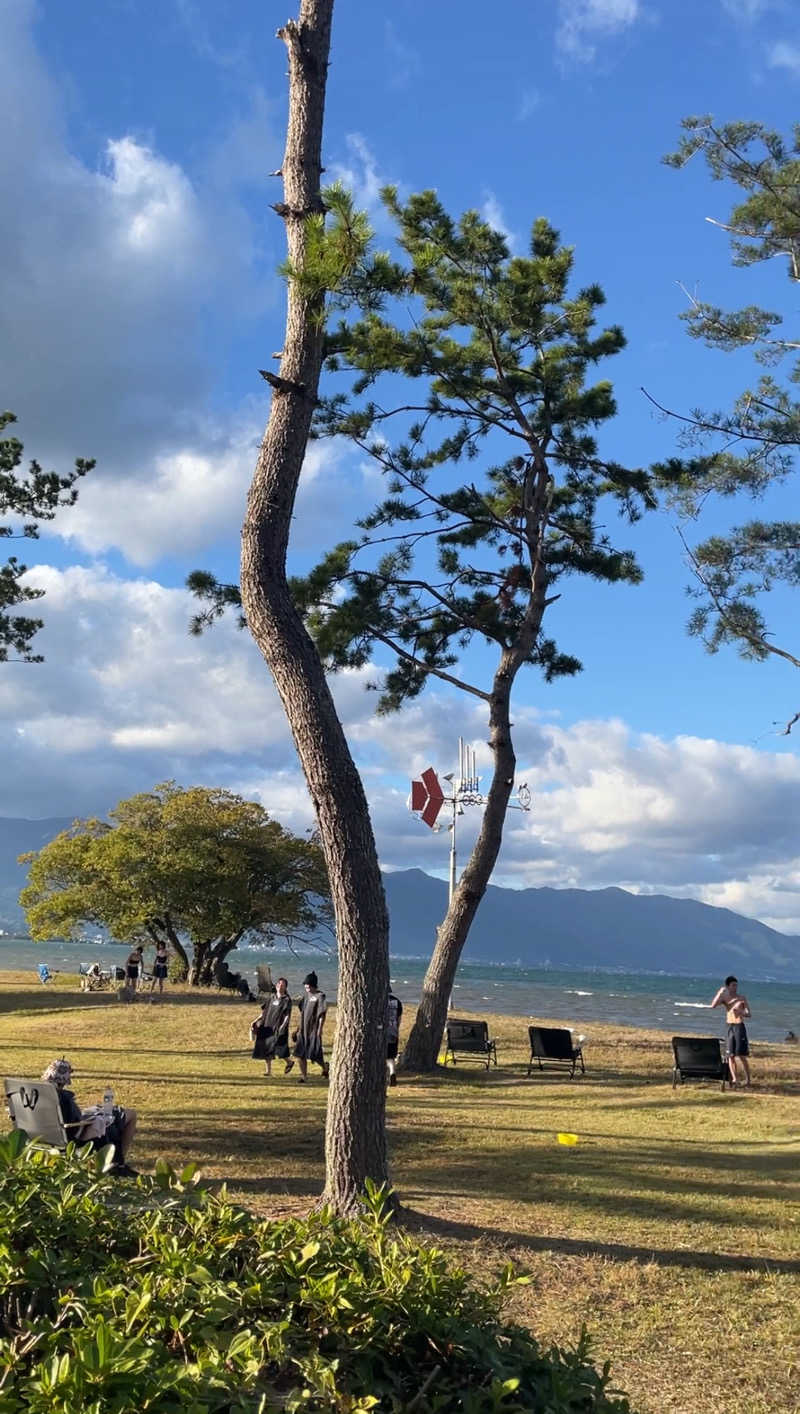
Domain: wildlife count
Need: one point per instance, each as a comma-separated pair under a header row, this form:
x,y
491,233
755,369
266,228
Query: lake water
x,y
657,1001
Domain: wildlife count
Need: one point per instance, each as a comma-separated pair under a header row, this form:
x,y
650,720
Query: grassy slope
x,y
672,1228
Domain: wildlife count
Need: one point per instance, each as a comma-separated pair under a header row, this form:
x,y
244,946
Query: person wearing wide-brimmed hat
x,y
96,1127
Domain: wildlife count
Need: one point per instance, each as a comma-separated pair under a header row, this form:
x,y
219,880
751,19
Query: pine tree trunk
x,y
425,1038
355,1135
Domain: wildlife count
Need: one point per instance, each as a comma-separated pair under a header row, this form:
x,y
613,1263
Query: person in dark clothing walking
x,y
270,1030
308,1036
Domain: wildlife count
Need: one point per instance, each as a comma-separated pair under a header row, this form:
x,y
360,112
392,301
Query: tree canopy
x,y
483,366
31,496
199,868
468,380
750,447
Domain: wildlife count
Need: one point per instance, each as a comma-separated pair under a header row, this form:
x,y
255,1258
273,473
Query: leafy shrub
x,y
161,1296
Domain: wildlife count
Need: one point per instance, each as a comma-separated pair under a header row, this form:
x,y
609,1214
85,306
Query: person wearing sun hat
x,y
96,1128
308,1036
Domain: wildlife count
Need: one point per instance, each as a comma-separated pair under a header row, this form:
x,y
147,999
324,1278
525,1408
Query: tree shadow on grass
x,y
666,1182
514,1073
633,1182
424,1223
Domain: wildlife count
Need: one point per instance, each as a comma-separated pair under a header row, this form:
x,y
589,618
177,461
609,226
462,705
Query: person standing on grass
x,y
160,968
737,1009
270,1030
308,1036
133,967
394,1015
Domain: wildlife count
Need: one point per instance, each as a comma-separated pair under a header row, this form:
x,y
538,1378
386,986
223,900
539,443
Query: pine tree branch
x,y
468,621
739,435
427,668
388,463
758,641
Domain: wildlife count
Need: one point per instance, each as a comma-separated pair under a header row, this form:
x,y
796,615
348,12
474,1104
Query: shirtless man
x,y
737,1008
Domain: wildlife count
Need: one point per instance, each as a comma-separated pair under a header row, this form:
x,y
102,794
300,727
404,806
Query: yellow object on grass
x,y
567,1138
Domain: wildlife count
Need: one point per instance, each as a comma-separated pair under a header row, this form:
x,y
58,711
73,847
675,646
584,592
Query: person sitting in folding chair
x,y
92,979
96,1127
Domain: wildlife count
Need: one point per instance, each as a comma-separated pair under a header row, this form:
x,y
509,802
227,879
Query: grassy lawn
x,y
672,1229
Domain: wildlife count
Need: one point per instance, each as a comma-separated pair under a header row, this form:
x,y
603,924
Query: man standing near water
x,y
737,1008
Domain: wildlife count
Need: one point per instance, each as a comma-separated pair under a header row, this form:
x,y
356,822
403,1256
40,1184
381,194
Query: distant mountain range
x,y
535,927
593,928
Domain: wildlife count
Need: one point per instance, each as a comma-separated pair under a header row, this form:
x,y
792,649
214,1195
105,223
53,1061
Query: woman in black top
x,y
160,966
270,1030
133,968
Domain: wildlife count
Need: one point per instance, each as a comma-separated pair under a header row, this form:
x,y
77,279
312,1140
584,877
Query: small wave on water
x,y
702,1005
574,992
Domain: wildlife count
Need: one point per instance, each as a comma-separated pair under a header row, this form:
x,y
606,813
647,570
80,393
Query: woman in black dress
x,y
308,1036
270,1030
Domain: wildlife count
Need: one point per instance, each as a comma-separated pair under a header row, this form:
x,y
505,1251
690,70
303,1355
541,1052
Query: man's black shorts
x,y
391,1049
738,1044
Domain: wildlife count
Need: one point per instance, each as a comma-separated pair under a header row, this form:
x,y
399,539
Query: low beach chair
x,y
470,1038
45,975
699,1058
555,1045
33,1107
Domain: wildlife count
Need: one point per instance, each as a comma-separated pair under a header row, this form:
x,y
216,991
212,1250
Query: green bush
x,y
160,1296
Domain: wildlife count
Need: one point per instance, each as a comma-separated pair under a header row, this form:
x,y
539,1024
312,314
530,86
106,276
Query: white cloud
x,y
111,277
746,11
405,63
189,493
492,213
783,55
585,23
685,816
126,698
529,102
360,174
198,492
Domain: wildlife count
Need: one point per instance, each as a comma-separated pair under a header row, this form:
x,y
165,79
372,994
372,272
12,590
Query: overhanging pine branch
x,y
427,668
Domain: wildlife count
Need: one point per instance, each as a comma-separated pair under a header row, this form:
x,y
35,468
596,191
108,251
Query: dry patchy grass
x,y
671,1229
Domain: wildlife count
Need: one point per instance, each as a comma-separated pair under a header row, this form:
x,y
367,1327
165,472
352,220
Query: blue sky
x,y
140,297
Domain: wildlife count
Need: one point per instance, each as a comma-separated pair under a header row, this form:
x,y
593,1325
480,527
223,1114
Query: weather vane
x,y
427,798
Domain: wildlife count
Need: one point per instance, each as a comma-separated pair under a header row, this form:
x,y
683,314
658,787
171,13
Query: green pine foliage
x,y
468,384
160,1296
468,381
750,447
34,496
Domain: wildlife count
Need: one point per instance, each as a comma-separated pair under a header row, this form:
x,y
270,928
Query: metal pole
x,y
452,869
453,851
